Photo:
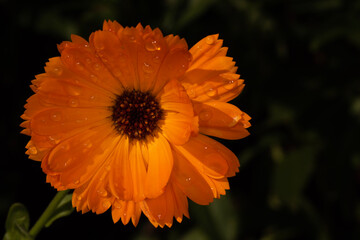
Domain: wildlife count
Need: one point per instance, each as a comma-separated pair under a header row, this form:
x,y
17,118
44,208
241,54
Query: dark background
x,y
300,173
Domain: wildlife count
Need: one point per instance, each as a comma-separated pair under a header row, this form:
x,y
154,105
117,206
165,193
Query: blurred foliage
x,y
300,173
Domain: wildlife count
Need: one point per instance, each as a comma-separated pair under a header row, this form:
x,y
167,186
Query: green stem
x,y
47,214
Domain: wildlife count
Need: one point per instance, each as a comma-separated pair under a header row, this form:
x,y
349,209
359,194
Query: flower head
x,y
122,119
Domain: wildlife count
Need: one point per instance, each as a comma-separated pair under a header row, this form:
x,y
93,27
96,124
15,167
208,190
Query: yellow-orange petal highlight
x,y
122,120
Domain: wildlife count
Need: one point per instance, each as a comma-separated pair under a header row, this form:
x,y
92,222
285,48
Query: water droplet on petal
x,y
152,45
117,204
33,150
210,40
147,68
99,46
192,93
159,216
188,179
211,92
205,115
205,147
156,59
93,78
92,98
97,66
55,116
106,204
231,84
73,102
102,192
73,90
67,162
76,182
108,168
79,65
58,71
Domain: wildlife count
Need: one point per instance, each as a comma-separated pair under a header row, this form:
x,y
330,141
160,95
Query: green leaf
x,y
225,218
291,175
194,10
64,209
195,234
17,223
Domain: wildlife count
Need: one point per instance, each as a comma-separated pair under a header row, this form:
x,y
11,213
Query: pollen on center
x,y
136,114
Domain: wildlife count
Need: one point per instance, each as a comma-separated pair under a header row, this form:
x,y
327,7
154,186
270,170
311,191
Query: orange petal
x,y
205,49
211,75
174,98
112,26
190,181
222,120
209,157
77,158
159,167
202,154
79,198
55,121
115,57
126,210
138,172
99,198
219,186
120,179
161,210
177,128
89,69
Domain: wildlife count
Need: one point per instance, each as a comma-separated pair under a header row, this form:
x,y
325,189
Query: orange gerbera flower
x,y
122,120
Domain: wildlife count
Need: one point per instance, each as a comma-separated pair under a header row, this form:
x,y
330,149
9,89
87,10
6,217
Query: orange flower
x,y
122,120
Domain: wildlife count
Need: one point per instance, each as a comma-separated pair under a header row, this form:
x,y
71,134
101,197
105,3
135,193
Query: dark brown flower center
x,y
136,114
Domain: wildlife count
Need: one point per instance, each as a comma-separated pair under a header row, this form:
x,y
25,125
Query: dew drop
x,y
102,192
99,46
106,204
93,78
76,182
33,150
79,65
211,92
92,98
117,204
73,90
53,140
97,66
73,102
124,214
191,93
108,168
58,71
209,40
156,59
55,116
231,84
67,162
205,147
152,45
205,115
147,68
159,216
188,179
